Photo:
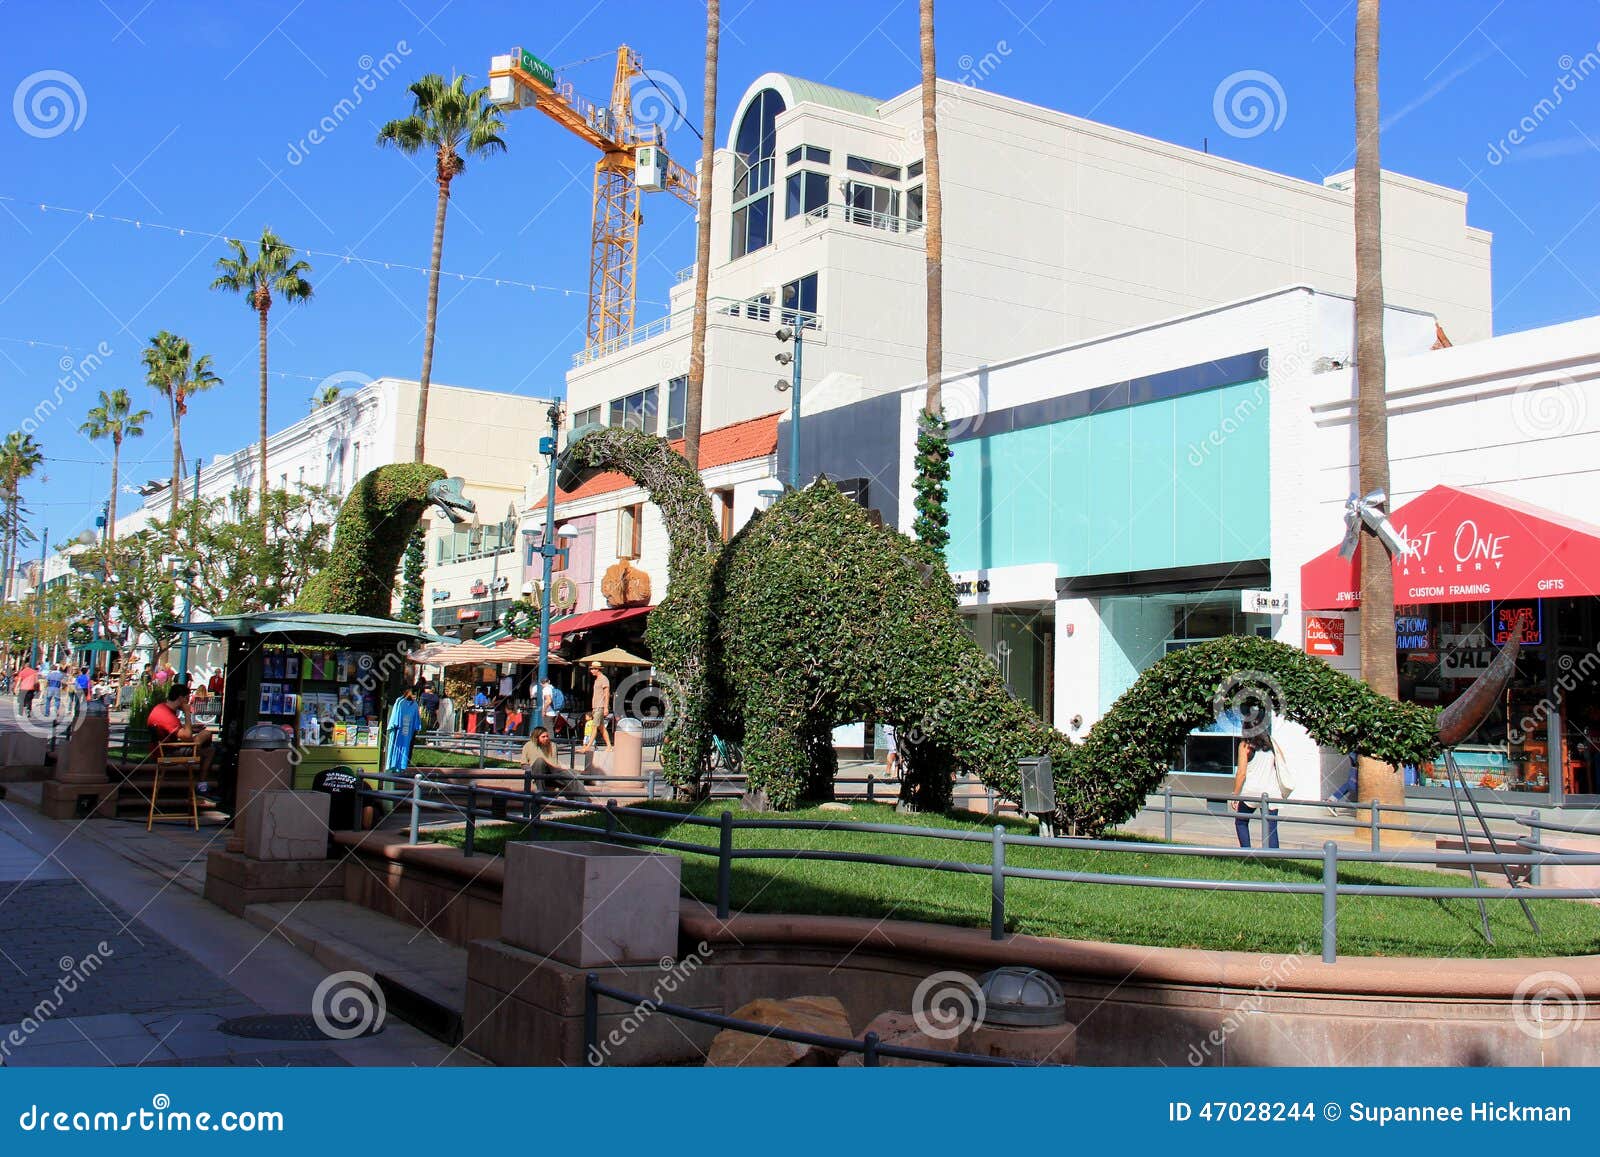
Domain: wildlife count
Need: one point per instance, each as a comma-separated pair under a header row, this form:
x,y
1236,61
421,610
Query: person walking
x,y
80,689
600,703
891,753
27,688
547,704
1261,771
53,679
428,703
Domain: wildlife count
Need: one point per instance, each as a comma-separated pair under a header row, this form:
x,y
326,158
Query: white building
x,y
1056,229
1113,499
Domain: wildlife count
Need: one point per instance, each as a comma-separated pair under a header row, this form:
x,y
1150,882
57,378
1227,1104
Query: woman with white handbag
x,y
1262,771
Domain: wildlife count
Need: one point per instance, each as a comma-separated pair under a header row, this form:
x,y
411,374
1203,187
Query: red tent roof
x,y
588,620
740,442
1469,546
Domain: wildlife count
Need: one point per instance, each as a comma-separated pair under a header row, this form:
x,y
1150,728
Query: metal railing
x,y
754,310
866,218
871,1049
997,869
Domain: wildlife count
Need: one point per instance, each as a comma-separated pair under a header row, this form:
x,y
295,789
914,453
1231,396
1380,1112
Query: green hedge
x,y
369,536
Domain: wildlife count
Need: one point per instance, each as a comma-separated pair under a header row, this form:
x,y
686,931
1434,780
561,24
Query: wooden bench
x,y
174,757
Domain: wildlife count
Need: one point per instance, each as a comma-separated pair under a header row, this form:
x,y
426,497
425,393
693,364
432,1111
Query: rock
x,y
833,806
823,1015
900,1028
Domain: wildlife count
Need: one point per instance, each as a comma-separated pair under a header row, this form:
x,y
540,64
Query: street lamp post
x,y
796,331
547,547
494,581
38,601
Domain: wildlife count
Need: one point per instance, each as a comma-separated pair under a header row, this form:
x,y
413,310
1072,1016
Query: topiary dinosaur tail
x,y
679,633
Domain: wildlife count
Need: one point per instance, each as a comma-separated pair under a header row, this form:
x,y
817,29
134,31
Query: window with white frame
x,y
636,411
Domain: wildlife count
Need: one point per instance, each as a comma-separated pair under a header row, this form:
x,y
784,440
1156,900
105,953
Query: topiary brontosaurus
x,y
370,534
814,616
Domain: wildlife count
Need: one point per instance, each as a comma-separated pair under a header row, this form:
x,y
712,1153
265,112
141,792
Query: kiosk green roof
x,y
304,625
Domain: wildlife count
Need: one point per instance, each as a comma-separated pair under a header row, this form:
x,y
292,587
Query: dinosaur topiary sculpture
x,y
813,616
370,534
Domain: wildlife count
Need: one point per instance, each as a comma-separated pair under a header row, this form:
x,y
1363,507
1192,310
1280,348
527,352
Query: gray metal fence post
x,y
997,886
871,782
1535,870
869,1051
1263,819
1166,807
468,846
1375,821
416,806
725,867
650,784
483,750
591,1021
1330,902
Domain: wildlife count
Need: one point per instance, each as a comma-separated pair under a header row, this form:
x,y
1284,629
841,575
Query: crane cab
x,y
650,168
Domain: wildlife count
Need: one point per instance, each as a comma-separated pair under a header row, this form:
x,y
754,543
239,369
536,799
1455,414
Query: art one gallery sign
x,y
1468,546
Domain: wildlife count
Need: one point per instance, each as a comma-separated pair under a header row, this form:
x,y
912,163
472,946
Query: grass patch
x,y
1180,918
435,757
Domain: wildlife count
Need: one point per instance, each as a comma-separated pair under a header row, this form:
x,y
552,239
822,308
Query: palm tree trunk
x,y
431,320
111,503
694,389
177,466
933,211
261,312
1376,780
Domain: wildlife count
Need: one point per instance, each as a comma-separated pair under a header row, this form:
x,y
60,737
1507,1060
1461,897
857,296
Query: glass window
x,y
628,519
873,168
754,146
820,156
792,157
589,417
872,205
800,294
619,408
636,411
804,191
914,207
914,169
677,405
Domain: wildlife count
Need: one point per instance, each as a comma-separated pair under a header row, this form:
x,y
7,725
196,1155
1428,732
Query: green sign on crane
x,y
536,68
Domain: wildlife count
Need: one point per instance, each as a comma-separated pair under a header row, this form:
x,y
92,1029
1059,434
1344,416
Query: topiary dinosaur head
x,y
370,533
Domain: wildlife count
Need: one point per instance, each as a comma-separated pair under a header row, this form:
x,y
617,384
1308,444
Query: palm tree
x,y
933,444
114,418
172,370
20,456
325,397
456,124
1376,780
694,389
275,269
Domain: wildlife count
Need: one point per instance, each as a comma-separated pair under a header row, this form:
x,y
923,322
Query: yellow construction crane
x,y
632,158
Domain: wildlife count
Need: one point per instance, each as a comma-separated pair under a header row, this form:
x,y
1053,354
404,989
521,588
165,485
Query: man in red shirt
x,y
27,687
169,720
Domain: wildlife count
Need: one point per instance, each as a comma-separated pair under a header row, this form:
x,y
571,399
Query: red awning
x,y
589,620
1469,546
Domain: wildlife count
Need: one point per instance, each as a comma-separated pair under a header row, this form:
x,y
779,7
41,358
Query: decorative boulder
x,y
901,1028
823,1015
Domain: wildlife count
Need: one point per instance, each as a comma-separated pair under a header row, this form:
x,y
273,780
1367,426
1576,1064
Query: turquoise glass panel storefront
x,y
1180,481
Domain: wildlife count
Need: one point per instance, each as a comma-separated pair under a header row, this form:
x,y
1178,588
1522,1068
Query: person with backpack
x,y
551,701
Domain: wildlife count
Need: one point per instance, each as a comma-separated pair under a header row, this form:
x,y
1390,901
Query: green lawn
x,y
435,757
1186,918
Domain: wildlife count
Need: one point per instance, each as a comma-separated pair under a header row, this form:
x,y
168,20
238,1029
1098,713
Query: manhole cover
x,y
292,1026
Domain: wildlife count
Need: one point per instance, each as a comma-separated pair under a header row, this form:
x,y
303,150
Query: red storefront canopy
x,y
592,619
1469,546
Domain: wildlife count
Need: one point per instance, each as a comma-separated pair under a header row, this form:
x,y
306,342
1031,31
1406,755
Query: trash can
x,y
627,758
265,763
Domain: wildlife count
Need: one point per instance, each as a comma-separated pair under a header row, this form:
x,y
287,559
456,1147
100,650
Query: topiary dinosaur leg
x,y
777,758
927,781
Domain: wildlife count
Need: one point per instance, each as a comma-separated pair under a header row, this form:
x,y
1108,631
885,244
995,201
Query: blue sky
x,y
197,115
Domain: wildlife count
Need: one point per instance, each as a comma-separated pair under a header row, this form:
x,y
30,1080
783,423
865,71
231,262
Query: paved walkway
x,y
110,957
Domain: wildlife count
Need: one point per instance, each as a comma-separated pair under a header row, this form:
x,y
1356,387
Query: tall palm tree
x,y
172,370
933,214
20,456
456,123
694,389
114,418
1375,780
275,270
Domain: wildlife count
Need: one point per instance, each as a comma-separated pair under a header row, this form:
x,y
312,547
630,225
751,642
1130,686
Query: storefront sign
x,y
972,587
1531,615
1264,602
1324,635
466,616
1469,546
1413,633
